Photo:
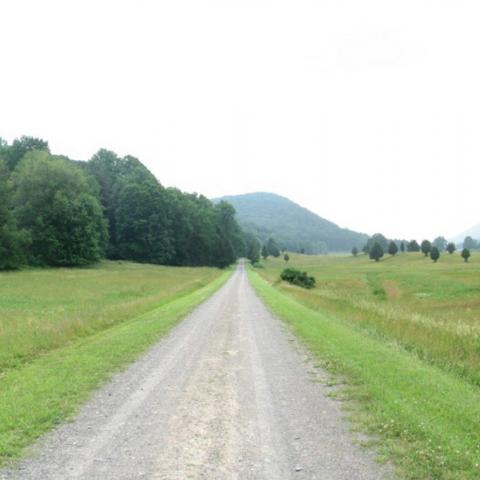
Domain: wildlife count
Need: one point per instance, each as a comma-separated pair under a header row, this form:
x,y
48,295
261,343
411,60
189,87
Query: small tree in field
x,y
286,257
465,254
413,246
426,247
402,247
440,243
376,252
451,248
392,248
435,254
264,252
354,251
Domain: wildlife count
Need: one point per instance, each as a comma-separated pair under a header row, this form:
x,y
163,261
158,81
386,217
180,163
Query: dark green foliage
x,y
377,238
12,241
376,252
142,225
264,252
296,277
413,246
63,218
426,247
14,153
470,243
63,208
354,251
286,257
150,224
293,227
228,235
435,254
402,247
465,254
104,166
272,248
392,248
451,247
440,243
252,248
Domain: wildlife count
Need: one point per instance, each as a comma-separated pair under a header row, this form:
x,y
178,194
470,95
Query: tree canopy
x,y
54,203
376,252
426,247
392,248
54,211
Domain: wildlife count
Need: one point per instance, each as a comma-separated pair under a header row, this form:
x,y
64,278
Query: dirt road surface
x,y
228,394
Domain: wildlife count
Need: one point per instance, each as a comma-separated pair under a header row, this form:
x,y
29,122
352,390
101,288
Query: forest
x,y
59,212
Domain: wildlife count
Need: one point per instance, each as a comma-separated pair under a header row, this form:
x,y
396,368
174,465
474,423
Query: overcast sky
x,y
366,112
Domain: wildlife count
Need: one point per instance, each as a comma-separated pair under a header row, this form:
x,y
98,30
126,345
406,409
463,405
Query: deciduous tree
x,y
465,254
426,247
451,247
435,254
392,248
54,203
376,252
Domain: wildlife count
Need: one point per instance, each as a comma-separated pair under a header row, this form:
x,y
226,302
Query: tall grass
x,y
432,309
41,310
77,327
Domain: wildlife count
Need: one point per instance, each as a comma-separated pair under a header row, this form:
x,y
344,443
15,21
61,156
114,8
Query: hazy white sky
x,y
366,112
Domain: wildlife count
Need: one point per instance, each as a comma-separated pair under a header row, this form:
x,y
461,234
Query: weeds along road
x,y
227,395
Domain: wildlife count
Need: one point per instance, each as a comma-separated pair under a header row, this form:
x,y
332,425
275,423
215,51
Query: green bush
x,y
296,277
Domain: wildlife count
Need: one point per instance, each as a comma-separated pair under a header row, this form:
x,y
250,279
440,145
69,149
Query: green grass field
x,y
431,309
404,333
63,332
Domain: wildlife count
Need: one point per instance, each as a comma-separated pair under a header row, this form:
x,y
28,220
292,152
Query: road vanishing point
x,y
227,394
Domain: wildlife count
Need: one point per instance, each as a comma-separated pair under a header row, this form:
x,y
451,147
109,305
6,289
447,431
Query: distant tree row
x,y
54,211
378,244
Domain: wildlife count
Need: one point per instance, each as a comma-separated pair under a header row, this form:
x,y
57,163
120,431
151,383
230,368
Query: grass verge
x,y
36,396
428,421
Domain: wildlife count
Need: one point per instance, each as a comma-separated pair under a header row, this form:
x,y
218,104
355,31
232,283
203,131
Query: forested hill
x,y
292,226
59,212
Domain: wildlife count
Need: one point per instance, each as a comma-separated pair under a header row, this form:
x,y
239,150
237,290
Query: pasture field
x,y
43,309
431,309
63,332
403,336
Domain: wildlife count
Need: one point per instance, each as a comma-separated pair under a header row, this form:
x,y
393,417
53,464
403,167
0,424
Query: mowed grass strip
x,y
39,394
428,421
43,309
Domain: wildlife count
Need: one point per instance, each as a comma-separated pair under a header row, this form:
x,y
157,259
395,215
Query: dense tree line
x,y
54,211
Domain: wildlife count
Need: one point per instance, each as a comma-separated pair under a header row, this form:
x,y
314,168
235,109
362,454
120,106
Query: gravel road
x,y
228,394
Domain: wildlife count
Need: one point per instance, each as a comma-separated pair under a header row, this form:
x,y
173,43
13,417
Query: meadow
x,y
431,309
401,338
63,332
43,309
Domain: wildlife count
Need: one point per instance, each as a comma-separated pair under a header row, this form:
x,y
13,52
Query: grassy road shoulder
x,y
38,395
428,420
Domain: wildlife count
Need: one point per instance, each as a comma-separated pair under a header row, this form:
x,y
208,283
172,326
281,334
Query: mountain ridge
x,y
294,227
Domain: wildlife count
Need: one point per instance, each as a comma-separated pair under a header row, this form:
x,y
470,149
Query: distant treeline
x,y
378,244
59,212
